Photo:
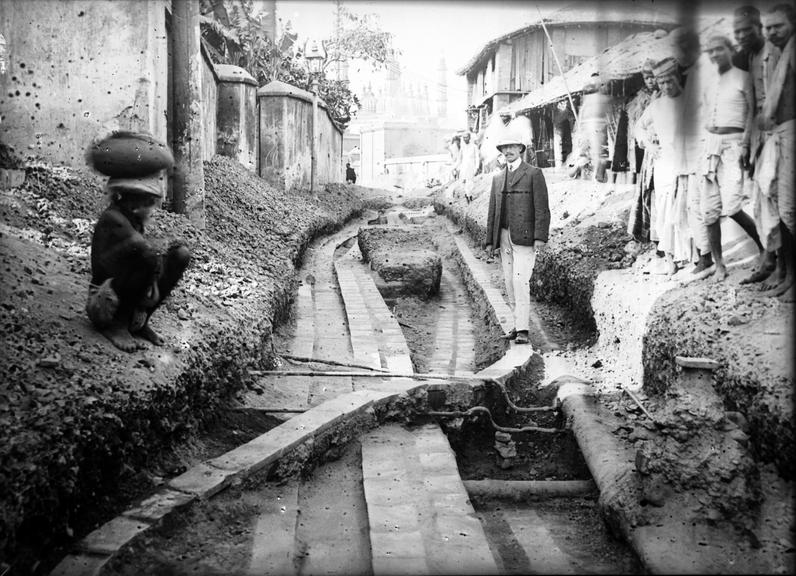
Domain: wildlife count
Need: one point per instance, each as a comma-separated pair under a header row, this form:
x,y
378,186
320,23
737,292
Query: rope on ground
x,y
513,405
496,426
331,362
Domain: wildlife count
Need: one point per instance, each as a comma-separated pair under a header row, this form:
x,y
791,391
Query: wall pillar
x,y
236,115
189,186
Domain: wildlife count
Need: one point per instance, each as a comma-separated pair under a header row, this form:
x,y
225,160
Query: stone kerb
x,y
236,115
289,449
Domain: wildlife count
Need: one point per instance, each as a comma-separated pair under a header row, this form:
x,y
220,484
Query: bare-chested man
x,y
775,163
129,278
729,109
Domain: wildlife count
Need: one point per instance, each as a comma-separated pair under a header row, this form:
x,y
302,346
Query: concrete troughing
x,y
303,440
421,521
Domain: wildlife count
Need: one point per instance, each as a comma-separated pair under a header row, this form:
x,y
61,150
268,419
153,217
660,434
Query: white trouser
x,y
518,262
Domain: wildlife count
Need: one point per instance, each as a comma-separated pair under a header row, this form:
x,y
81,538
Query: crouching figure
x,y
130,279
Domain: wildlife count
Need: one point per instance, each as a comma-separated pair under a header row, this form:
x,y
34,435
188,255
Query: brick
x,y
391,565
157,506
450,502
430,444
393,518
202,480
456,526
385,491
111,536
437,462
272,549
444,483
81,565
407,544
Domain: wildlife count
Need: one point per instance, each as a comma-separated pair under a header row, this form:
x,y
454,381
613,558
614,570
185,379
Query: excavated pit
x,y
320,480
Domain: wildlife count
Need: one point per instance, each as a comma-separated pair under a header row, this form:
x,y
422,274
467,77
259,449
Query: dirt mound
x,y
751,339
75,413
718,460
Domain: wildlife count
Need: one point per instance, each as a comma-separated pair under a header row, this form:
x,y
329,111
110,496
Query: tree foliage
x,y
358,37
236,34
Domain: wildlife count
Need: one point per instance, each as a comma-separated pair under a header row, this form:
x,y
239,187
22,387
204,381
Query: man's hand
x,y
743,157
764,123
539,244
489,249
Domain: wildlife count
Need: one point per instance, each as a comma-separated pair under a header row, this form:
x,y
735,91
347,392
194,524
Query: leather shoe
x,y
511,335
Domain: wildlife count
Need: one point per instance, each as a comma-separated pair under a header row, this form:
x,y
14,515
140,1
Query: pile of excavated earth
x,y
711,438
711,446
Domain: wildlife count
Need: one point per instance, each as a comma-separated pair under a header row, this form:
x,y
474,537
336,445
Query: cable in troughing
x,y
513,405
498,427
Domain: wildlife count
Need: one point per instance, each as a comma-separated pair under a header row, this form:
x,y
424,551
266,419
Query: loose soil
x,y
86,429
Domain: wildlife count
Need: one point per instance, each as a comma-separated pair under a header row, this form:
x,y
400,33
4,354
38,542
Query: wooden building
x,y
515,64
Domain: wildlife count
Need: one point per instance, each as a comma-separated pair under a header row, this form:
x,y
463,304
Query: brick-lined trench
x,y
393,501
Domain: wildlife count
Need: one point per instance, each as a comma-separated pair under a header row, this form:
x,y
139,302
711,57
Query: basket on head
x,y
129,155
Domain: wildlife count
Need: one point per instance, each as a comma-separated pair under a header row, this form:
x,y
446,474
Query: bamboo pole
x,y
330,362
353,374
558,64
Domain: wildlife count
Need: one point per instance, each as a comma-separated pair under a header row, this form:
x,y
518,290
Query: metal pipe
x,y
529,489
495,425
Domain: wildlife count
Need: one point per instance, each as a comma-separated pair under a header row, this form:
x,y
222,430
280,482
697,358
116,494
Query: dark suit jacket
x,y
526,205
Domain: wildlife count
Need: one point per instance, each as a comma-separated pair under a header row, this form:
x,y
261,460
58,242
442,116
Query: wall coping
x,y
279,88
232,73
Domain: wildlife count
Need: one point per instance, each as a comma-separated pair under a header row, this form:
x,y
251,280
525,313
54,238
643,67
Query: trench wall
x,y
217,325
643,322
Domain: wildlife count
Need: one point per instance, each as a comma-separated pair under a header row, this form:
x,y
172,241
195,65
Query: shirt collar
x,y
514,165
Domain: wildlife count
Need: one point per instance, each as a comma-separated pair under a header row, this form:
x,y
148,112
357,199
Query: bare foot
x,y
772,282
702,265
121,338
789,295
781,288
721,273
757,276
147,333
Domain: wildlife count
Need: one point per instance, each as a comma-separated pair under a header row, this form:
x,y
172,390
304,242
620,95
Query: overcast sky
x,y
424,31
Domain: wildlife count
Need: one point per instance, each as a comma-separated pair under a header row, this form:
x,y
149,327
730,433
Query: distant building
x,y
513,65
400,120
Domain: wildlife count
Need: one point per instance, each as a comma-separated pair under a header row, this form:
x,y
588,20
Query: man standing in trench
x,y
518,223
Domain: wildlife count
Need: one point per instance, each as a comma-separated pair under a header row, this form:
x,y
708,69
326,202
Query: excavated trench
x,y
326,505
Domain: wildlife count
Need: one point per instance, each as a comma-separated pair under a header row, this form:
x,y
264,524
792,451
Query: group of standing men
x,y
715,142
464,157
